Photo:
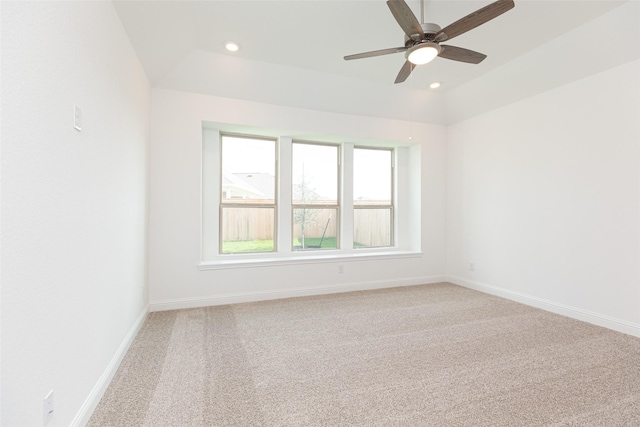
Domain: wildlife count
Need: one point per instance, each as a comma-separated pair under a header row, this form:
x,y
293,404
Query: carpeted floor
x,y
432,355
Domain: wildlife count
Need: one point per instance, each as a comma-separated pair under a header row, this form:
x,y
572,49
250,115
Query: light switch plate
x,y
47,408
77,116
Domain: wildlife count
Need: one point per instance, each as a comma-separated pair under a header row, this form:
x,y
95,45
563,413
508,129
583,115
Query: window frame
x,y
392,199
222,205
336,205
407,191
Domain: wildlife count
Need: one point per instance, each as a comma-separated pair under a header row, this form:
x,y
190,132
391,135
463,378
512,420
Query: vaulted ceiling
x,y
292,52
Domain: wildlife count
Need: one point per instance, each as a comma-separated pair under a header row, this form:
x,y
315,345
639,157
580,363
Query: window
x,y
372,197
248,195
279,201
314,201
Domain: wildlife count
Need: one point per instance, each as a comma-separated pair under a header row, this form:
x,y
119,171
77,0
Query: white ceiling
x,y
300,44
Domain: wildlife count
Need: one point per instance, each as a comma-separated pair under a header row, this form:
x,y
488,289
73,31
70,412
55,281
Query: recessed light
x,y
435,85
232,46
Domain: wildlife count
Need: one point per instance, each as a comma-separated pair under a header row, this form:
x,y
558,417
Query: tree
x,y
304,193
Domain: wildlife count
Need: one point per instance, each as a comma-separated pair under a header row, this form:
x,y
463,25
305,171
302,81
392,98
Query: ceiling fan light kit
x,y
423,53
422,40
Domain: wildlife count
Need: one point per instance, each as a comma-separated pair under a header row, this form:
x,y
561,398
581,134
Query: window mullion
x,y
346,220
284,196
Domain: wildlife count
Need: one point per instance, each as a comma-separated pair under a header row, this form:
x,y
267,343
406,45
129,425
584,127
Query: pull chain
x,y
411,107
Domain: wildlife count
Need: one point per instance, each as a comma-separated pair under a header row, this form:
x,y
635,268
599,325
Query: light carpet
x,y
431,355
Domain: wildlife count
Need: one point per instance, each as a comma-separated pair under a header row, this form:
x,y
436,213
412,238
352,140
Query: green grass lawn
x,y
314,243
247,246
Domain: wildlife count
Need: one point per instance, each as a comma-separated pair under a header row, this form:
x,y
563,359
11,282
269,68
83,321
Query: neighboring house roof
x,y
262,185
259,184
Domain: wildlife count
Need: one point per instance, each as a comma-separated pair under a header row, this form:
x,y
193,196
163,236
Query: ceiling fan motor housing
x,y
430,31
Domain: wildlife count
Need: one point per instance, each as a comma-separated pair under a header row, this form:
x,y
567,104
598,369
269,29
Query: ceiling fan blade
x,y
406,69
474,19
375,53
461,54
406,19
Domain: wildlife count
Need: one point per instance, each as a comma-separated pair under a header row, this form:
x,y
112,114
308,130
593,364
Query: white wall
x,y
175,207
543,196
73,204
241,78
558,61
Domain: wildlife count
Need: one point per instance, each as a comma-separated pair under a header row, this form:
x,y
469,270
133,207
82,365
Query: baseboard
x,y
240,297
85,412
609,322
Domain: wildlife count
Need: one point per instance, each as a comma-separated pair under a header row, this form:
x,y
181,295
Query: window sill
x,y
252,260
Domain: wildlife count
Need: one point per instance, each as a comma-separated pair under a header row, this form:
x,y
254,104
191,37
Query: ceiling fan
x,y
422,41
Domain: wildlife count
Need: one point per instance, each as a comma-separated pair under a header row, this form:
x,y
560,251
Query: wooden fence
x,y
372,227
241,224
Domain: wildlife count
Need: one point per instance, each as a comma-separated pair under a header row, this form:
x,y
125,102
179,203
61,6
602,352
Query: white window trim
x,y
406,224
250,260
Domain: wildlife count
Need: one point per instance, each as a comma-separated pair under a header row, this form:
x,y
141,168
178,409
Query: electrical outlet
x,y
472,266
47,408
341,269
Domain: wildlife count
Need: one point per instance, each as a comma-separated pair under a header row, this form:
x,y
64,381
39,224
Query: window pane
x,y
314,229
371,228
371,177
314,173
249,229
248,170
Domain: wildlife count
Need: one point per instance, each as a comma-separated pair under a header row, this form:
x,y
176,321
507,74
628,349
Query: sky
x,y
372,171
